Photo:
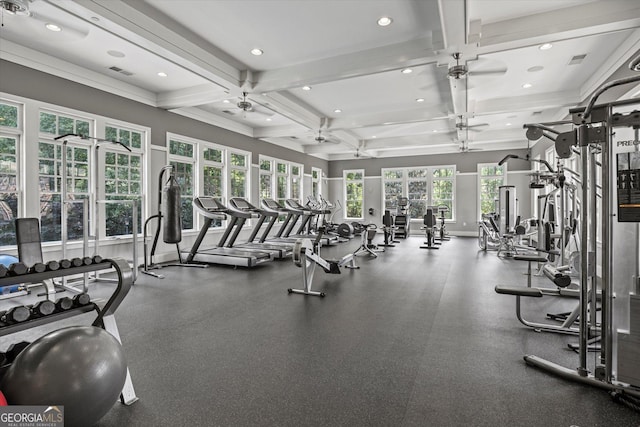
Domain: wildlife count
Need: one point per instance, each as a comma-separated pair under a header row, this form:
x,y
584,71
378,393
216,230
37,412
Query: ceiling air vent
x,y
293,137
121,71
577,59
228,112
536,113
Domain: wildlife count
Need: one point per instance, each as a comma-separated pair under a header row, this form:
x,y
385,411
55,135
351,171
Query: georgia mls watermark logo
x,y
31,416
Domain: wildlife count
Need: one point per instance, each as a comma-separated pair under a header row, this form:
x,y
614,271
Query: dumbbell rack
x,y
105,315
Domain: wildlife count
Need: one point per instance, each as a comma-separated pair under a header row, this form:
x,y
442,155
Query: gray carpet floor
x,y
412,338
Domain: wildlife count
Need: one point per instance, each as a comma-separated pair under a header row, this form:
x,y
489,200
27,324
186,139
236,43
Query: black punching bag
x,y
172,225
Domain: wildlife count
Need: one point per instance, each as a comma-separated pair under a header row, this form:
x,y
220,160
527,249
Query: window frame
x,y
345,195
481,177
404,179
17,135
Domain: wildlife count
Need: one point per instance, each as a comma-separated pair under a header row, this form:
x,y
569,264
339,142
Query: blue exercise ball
x,y
7,260
81,368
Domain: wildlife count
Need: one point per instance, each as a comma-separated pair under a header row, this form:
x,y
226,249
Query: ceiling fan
x,y
459,71
463,125
320,138
362,155
464,147
248,109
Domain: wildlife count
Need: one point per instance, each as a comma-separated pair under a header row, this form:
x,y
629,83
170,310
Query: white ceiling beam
x,y
454,24
527,103
290,107
416,115
371,61
191,96
569,23
144,26
284,131
213,119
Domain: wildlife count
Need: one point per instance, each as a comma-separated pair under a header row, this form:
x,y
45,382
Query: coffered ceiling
x,y
330,81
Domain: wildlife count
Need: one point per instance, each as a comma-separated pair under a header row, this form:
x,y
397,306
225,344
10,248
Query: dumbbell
x,y
16,314
87,260
81,299
38,267
64,304
53,265
18,269
3,271
65,263
77,262
14,350
43,308
97,259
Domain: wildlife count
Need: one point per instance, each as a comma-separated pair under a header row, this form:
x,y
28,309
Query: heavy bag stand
x,y
171,226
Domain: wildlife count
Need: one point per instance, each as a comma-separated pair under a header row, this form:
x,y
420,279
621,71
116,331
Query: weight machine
x,y
306,254
607,134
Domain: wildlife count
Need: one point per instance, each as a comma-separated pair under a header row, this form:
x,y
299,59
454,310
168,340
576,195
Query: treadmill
x,y
240,206
212,210
292,216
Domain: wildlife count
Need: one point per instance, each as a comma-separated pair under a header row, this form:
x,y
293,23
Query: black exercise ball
x,y
81,367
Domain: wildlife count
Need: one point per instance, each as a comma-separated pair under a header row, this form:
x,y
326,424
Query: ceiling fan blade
x,y
487,73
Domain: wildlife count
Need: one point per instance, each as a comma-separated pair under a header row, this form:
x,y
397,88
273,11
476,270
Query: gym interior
x,y
390,212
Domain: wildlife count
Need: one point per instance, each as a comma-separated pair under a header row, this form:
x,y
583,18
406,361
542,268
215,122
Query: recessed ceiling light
x,y
508,124
407,71
95,19
225,101
337,110
115,53
545,46
162,74
384,21
268,119
374,137
420,100
527,85
52,27
435,130
256,51
306,87
535,68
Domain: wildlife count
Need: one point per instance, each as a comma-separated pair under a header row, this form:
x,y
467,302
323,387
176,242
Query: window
x,y
50,158
212,177
182,156
354,193
282,182
123,180
418,191
316,183
266,178
423,186
442,189
238,172
296,182
490,178
393,186
10,133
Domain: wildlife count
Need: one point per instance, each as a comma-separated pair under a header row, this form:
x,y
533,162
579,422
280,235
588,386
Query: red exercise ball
x,y
3,401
